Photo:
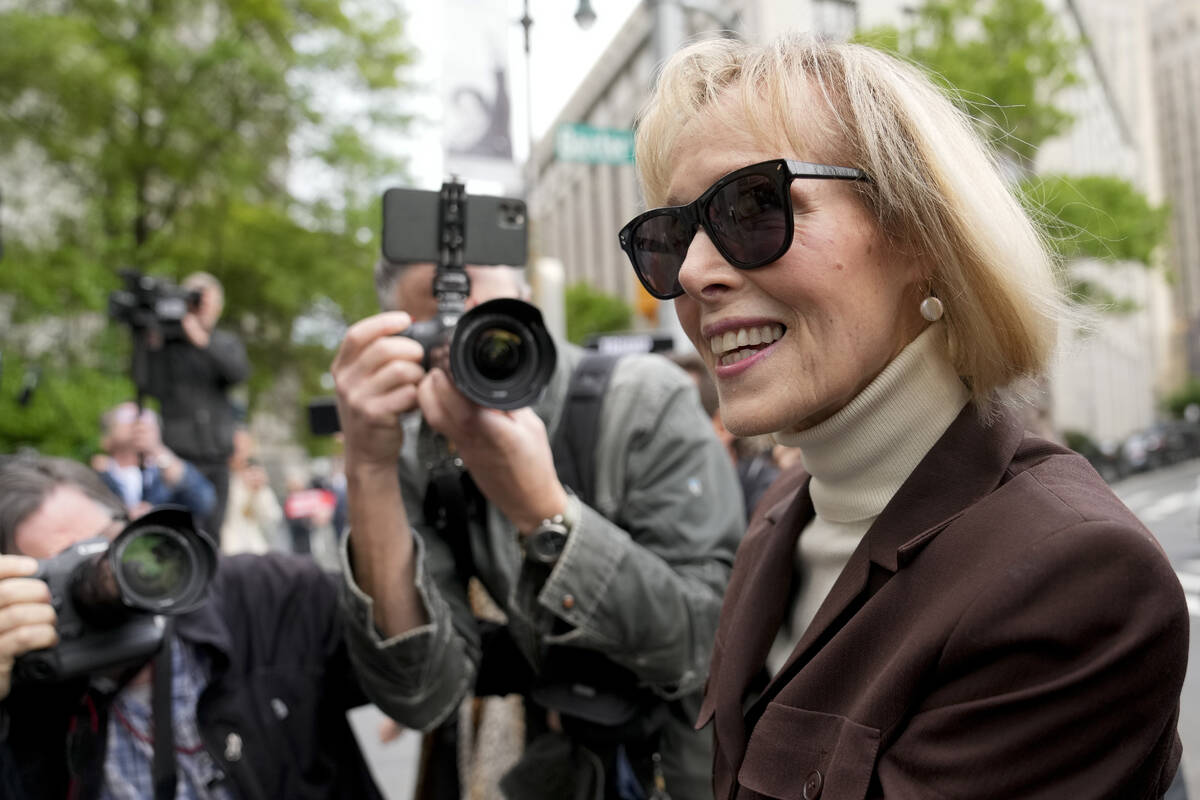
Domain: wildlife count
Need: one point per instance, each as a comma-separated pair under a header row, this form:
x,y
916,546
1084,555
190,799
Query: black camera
x,y
147,302
498,353
109,596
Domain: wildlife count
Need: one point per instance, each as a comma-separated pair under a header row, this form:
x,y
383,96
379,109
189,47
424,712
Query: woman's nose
x,y
704,270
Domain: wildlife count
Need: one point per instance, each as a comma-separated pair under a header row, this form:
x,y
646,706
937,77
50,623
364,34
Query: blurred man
x,y
626,584
260,678
143,471
191,375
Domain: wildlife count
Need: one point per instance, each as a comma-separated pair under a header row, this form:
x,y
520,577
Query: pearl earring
x,y
932,308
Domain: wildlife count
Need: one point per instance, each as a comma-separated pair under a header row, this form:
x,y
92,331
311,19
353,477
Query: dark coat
x,y
192,385
1006,628
274,714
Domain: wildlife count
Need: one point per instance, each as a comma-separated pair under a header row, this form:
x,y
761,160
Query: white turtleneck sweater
x,y
858,459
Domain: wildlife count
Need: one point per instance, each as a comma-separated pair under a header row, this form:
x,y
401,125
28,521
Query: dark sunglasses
x,y
747,214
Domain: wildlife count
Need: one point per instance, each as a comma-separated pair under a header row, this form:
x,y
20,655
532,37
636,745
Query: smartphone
x,y
495,229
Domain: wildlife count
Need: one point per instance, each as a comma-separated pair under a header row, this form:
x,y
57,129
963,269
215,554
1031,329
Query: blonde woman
x,y
935,604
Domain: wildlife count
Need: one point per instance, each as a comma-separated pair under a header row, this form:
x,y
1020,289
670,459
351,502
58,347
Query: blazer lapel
x,y
847,587
760,602
966,463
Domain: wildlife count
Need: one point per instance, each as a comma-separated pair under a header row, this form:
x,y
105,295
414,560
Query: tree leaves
x,y
162,136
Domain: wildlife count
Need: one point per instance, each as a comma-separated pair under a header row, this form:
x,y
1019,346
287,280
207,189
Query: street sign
x,y
584,143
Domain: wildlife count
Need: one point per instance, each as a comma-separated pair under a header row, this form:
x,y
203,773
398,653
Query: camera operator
x,y
260,679
191,375
143,471
640,567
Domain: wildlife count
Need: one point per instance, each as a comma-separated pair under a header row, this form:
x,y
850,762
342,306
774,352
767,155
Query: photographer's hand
x,y
376,374
507,452
194,329
26,616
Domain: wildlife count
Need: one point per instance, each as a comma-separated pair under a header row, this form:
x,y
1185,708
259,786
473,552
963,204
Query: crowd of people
x,y
926,601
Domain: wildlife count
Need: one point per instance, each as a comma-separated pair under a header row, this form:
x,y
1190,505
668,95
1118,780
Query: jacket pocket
x,y
794,754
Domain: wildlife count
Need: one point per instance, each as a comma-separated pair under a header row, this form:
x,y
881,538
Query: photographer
x,y
634,574
260,679
191,375
143,471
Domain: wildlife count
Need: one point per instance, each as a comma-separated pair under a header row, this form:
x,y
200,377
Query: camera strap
x,y
451,501
163,769
574,444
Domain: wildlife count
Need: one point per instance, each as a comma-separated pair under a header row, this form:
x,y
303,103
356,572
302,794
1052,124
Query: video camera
x,y
148,302
108,596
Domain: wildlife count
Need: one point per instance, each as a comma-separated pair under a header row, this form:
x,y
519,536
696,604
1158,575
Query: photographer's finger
x,y
382,411
362,333
23,590
17,566
446,409
23,615
378,355
19,641
390,390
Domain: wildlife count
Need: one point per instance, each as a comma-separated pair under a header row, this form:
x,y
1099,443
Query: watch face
x,y
546,544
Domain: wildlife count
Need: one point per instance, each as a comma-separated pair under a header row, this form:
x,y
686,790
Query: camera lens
x,y
501,355
498,353
161,564
156,565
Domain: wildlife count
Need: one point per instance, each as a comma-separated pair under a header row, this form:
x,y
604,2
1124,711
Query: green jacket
x,y
645,592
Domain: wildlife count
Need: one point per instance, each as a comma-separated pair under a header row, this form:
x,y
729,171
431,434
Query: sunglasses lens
x,y
749,218
660,244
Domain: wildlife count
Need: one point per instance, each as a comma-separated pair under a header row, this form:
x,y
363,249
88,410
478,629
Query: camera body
x,y
148,302
109,596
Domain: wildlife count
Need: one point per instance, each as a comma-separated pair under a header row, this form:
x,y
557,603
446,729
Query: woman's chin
x,y
749,424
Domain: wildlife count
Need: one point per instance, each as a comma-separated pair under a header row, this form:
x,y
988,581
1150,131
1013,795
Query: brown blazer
x,y
1006,628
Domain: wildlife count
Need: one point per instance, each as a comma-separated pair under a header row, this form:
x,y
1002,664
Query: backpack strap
x,y
574,444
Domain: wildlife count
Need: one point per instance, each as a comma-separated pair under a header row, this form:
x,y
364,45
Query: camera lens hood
x,y
161,563
501,355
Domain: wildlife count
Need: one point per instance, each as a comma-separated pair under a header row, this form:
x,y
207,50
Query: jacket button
x,y
813,785
233,747
568,601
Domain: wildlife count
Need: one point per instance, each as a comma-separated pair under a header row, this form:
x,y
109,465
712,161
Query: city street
x,y
1168,502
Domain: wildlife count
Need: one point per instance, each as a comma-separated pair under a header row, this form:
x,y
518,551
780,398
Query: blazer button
x,y
813,785
233,748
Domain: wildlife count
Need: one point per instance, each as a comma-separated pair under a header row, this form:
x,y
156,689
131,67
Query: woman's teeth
x,y
737,345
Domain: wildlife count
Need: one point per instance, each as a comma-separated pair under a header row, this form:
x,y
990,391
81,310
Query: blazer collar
x,y
966,463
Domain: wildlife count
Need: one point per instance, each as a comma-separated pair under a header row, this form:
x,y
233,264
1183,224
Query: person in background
x,y
310,510
937,603
143,471
253,516
260,678
191,373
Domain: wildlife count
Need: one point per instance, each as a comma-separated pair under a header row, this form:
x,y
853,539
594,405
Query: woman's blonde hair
x,y
936,190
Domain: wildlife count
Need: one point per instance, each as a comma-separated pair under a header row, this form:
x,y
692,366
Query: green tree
x,y
160,135
590,311
1095,216
1008,60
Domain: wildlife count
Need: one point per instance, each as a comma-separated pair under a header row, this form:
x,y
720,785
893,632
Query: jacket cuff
x,y
580,579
